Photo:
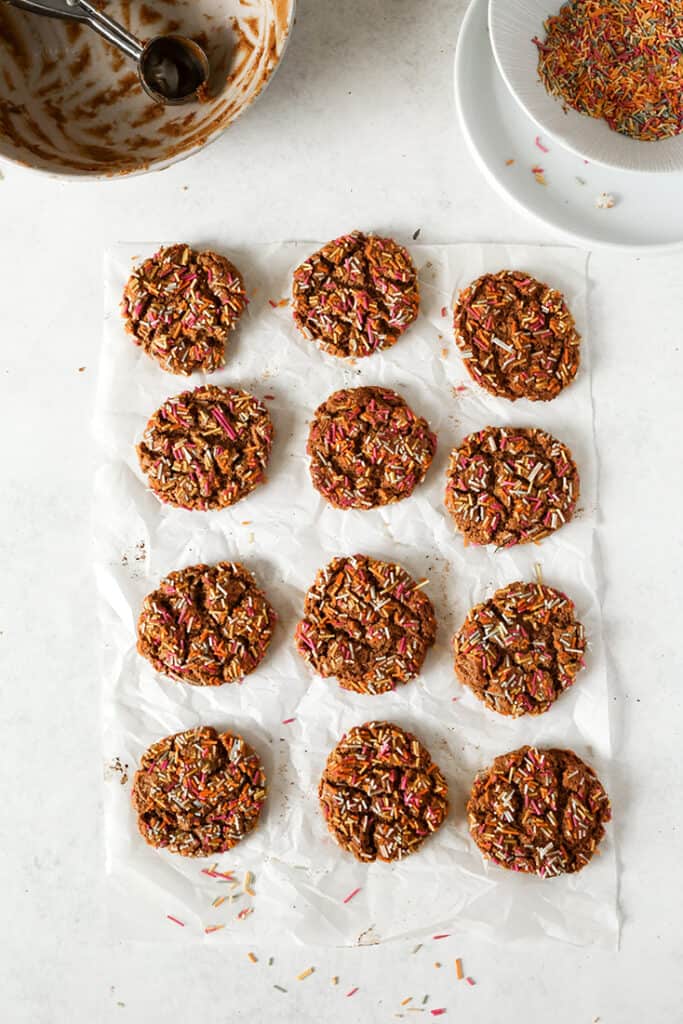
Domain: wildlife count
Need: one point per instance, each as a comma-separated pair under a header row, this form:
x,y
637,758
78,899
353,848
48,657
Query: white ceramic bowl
x,y
71,104
512,25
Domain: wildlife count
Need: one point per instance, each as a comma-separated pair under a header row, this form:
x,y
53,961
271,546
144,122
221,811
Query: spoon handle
x,y
109,29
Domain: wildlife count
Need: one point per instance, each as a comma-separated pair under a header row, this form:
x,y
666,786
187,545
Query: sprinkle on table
x,y
444,311
470,981
305,974
248,880
347,899
335,979
445,935
280,988
438,1012
211,928
218,901
425,999
245,913
405,1002
253,958
418,948
271,961
458,970
175,920
288,721
352,992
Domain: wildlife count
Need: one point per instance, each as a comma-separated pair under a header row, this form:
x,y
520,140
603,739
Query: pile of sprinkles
x,y
356,295
381,793
521,649
206,625
508,485
368,448
207,448
517,336
367,623
198,792
179,306
538,811
618,60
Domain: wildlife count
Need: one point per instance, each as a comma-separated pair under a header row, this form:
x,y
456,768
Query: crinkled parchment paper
x,y
284,532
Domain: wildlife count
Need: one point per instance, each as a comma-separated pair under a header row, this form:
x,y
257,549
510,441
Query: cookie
x,y
206,625
539,811
179,306
521,649
381,794
356,295
367,623
511,485
517,336
368,448
198,792
207,448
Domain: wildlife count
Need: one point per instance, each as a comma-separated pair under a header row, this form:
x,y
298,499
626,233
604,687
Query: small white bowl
x,y
71,105
512,26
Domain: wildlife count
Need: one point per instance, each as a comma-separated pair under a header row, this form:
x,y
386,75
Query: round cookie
x,y
511,485
198,792
521,649
381,794
207,448
367,623
517,336
356,295
368,448
206,625
179,306
538,811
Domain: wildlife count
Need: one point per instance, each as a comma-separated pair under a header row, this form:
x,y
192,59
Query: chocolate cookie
x,y
539,811
511,485
356,295
206,625
517,335
198,793
521,649
180,304
367,623
381,793
368,448
207,448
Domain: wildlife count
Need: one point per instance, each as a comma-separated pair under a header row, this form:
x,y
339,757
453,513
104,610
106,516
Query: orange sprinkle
x,y
305,974
458,970
406,1001
253,958
509,163
213,928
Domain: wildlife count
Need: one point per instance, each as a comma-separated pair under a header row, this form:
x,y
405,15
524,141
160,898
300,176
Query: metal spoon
x,y
171,68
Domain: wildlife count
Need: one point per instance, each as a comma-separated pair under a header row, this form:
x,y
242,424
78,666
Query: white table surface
x,y
357,130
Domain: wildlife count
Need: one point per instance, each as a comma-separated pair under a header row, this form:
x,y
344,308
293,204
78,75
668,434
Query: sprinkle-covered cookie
x,y
517,336
368,448
521,649
539,811
367,623
381,793
198,793
511,485
206,625
356,295
179,306
207,448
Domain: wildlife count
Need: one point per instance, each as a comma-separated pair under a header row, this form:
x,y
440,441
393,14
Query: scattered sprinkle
x,y
605,201
416,234
438,1012
245,913
305,974
418,948
175,920
425,1000
458,969
539,174
543,149
219,901
352,992
405,1002
444,311
271,960
213,928
212,873
347,899
247,884
538,571
280,988
509,163
444,936
335,979
81,369
470,981
288,721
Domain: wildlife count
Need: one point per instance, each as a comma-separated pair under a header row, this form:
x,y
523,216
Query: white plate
x,y
513,26
648,213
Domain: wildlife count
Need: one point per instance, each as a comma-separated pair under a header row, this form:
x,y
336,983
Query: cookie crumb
x,y
605,201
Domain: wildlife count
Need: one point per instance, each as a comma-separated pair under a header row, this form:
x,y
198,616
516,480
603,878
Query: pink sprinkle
x,y
444,311
286,721
470,981
348,898
543,149
438,1012
175,920
444,936
351,993
273,304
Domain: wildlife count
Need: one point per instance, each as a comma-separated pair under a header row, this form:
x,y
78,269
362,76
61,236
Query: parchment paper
x,y
284,532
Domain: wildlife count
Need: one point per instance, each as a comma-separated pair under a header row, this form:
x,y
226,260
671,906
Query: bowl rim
x,y
162,164
558,136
